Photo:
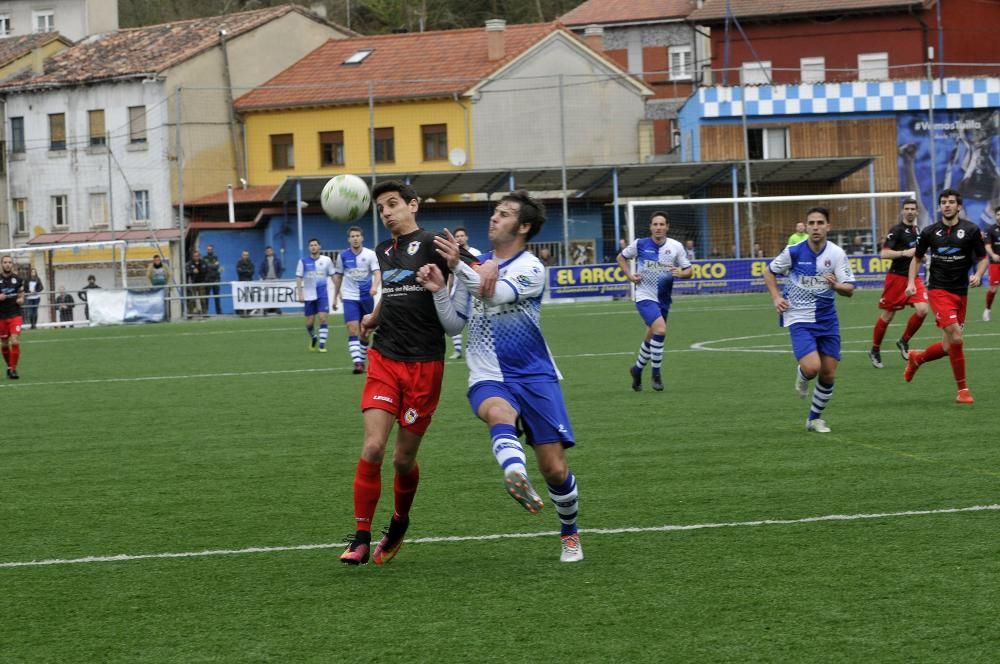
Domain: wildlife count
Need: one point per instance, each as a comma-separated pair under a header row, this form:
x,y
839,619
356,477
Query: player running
x,y
817,271
11,301
513,380
357,280
899,246
954,246
993,249
311,288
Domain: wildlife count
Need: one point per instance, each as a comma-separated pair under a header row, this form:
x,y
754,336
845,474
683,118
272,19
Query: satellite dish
x,y
457,157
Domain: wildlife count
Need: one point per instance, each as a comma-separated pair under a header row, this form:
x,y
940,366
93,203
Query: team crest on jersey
x,y
960,233
524,280
413,248
410,416
827,263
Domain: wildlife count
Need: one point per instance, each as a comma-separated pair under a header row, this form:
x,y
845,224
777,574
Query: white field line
x,y
501,536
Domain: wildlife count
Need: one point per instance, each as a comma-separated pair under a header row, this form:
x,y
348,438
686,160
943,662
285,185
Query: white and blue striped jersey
x,y
654,263
505,340
314,273
807,291
357,269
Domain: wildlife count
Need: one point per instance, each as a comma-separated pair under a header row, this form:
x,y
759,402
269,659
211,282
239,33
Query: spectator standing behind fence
x,y
213,274
690,250
545,255
64,306
32,298
271,269
82,294
244,272
158,276
196,277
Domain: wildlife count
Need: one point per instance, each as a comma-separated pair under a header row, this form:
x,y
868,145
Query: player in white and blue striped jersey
x,y
658,260
513,380
355,283
817,271
311,278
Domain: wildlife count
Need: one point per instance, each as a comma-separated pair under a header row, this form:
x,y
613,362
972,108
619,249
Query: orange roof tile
x,y
12,48
146,50
716,9
255,194
602,12
403,66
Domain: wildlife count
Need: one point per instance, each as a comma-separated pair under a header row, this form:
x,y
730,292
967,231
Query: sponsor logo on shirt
x,y
382,397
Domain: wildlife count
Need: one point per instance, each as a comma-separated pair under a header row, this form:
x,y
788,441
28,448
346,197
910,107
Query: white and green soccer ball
x,y
345,198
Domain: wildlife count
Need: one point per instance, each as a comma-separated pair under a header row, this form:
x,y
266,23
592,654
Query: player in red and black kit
x,y
993,248
899,246
11,299
954,245
406,365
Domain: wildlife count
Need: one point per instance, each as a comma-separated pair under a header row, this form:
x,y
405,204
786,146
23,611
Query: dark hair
x,y
404,190
822,210
910,201
268,247
945,193
659,213
314,239
91,277
355,228
460,228
532,212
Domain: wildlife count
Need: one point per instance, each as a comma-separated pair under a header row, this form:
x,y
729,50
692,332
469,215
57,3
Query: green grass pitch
x,y
228,436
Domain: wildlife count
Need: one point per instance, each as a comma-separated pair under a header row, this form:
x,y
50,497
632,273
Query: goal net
x,y
733,239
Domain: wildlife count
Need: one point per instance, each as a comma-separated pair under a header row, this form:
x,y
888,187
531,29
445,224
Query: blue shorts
x,y
650,310
811,337
355,310
321,305
541,409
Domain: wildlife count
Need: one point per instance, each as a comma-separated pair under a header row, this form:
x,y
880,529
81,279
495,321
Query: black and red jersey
x,y
954,250
10,285
900,238
993,237
409,329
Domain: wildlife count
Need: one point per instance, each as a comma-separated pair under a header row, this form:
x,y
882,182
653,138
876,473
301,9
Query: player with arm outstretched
x,y
513,380
817,272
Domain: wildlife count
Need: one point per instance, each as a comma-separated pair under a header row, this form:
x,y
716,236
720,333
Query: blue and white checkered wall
x,y
857,97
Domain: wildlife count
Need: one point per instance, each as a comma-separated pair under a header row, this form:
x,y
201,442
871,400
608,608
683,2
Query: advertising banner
x,y
264,295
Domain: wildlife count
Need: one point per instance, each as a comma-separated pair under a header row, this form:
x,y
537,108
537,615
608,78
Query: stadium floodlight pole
x,y
182,266
562,150
930,135
736,211
298,212
748,189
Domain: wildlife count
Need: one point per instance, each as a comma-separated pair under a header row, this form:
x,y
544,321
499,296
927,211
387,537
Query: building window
x,y
385,144
282,152
813,70
60,212
17,135
98,132
44,21
756,73
435,141
99,209
768,143
873,66
331,148
359,56
136,124
57,131
21,215
679,58
140,205
4,25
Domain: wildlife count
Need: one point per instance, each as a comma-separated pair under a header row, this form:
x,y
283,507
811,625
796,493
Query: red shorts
x,y
10,327
949,308
994,274
894,295
408,390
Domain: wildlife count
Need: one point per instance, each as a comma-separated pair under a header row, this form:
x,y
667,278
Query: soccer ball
x,y
345,198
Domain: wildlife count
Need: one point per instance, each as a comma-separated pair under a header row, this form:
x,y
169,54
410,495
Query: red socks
x,y
912,326
880,327
934,352
957,358
6,354
989,298
404,488
367,489
15,355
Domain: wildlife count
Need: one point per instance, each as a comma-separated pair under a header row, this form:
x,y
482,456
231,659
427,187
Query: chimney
x,y
318,8
594,36
494,38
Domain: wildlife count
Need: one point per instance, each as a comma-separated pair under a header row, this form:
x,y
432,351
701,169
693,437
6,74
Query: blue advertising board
x,y
737,275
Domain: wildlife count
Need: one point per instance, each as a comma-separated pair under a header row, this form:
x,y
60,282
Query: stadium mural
x,y
967,158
